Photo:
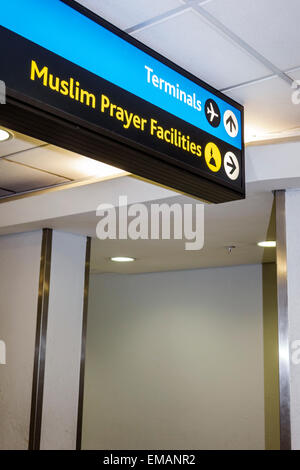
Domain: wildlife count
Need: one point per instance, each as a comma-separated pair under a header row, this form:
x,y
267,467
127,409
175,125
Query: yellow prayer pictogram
x,y
213,157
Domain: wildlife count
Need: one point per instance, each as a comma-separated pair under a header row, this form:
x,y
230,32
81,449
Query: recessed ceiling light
x,y
267,244
122,259
4,135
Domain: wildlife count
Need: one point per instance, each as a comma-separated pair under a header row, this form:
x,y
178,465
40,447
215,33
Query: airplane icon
x,y
212,113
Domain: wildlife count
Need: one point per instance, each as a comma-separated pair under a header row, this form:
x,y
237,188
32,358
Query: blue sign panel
x,y
66,32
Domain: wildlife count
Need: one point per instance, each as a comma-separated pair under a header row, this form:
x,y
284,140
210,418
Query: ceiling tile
x,y
20,178
197,47
268,107
64,163
269,26
19,143
125,14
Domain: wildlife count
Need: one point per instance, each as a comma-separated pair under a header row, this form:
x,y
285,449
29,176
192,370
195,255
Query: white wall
x,y
64,334
19,278
19,283
175,361
293,269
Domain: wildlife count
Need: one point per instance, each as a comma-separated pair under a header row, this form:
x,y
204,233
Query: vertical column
x,y
64,342
40,342
43,295
288,261
293,280
283,315
83,344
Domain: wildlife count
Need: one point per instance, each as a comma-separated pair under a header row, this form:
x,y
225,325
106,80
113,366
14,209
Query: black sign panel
x,y
45,81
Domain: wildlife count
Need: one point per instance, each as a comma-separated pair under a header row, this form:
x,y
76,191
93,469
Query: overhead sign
x,y
60,56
